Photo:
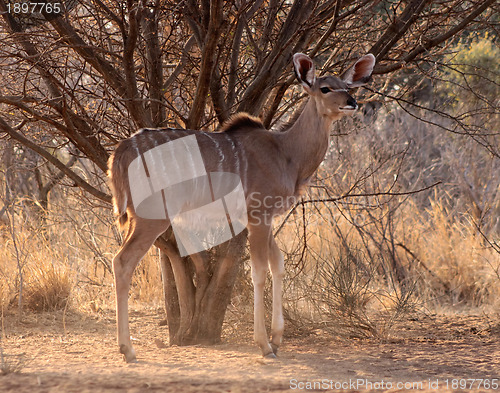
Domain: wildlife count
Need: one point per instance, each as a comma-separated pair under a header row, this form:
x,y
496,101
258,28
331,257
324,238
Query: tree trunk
x,y
198,289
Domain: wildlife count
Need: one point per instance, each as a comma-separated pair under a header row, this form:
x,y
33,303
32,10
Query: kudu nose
x,y
352,102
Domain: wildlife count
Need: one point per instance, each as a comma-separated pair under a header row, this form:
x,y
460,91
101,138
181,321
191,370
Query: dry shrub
x,y
37,276
334,284
68,255
362,264
38,261
344,292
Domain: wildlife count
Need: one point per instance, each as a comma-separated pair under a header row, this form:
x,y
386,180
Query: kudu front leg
x,y
259,252
277,265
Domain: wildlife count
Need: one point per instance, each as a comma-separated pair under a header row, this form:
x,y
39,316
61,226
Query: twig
x,y
304,244
336,199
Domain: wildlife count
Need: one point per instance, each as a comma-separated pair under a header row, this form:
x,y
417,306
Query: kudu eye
x,y
325,90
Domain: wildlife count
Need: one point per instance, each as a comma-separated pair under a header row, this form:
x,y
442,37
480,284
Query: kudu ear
x,y
360,73
304,69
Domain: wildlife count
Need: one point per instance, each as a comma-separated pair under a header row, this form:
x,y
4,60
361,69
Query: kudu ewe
x,y
273,167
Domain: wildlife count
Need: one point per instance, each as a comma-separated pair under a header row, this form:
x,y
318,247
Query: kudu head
x,y
331,93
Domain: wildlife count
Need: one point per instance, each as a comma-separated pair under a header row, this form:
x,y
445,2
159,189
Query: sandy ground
x,y
78,353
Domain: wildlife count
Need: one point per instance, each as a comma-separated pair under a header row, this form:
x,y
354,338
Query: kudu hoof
x,y
275,348
270,355
128,354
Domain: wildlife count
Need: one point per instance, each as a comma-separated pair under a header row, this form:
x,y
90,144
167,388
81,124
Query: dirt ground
x,y
77,353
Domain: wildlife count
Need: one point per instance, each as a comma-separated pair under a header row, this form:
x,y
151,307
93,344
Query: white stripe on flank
x,y
244,169
135,145
219,151
152,140
235,154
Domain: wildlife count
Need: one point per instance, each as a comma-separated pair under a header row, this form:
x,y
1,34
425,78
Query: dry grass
x,y
68,263
347,284
460,268
48,288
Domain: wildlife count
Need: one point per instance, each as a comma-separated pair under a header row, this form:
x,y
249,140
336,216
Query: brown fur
x,y
240,121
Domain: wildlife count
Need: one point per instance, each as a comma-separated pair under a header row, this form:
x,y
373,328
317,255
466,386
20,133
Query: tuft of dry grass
x,y
48,288
11,363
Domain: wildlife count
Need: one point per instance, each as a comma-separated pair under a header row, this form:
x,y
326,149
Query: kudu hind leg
x,y
137,243
277,265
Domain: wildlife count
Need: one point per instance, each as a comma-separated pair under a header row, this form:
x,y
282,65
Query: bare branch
x,y
398,28
275,62
428,44
207,64
54,161
182,63
90,54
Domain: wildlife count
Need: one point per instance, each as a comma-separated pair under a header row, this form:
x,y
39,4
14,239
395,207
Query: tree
x,y
82,79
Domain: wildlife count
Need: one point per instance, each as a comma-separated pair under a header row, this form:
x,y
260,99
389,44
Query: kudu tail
x,y
118,183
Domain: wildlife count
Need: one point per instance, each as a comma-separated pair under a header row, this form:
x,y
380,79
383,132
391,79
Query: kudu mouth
x,y
351,105
349,108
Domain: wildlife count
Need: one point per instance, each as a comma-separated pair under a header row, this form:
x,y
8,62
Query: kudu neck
x,y
307,139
